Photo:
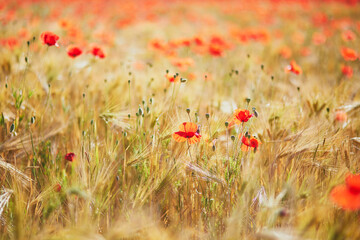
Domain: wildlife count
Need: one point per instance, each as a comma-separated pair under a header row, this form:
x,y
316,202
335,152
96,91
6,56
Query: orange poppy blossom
x,y
49,38
318,38
347,196
188,132
241,116
285,52
348,35
172,77
249,142
340,116
349,54
293,67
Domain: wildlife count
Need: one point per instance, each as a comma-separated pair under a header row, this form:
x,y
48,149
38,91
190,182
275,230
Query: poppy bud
x,y
283,212
12,127
183,80
255,112
247,100
226,124
188,110
207,116
232,137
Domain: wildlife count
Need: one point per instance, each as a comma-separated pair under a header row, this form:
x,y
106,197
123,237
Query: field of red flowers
x,y
196,119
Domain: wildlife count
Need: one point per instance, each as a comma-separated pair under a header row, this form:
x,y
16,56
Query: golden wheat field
x,y
196,119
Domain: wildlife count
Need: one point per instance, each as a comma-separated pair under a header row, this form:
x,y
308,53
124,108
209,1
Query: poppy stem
x,y
187,141
239,140
227,144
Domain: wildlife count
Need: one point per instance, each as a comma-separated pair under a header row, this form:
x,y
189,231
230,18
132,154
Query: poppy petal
x,y
188,127
178,137
345,198
353,182
194,139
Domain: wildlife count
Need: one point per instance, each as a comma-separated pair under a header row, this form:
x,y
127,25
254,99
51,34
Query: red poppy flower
x,y
49,38
182,63
157,44
318,38
285,52
340,116
74,51
241,116
70,157
188,131
249,143
199,41
97,51
347,71
347,196
348,35
57,187
172,77
293,67
349,54
216,50
305,51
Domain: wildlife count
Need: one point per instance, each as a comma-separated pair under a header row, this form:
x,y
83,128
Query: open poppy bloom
x,y
293,67
347,196
57,187
172,77
318,38
241,116
49,38
347,71
249,143
285,52
216,50
340,116
348,35
74,51
97,51
349,54
188,131
70,157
